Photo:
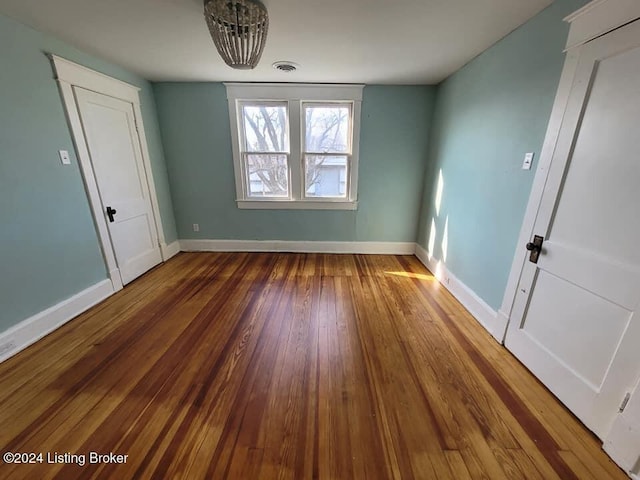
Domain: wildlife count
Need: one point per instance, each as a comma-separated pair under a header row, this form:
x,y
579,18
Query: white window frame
x,y
239,94
305,152
243,152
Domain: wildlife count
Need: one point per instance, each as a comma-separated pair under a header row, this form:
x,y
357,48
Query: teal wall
x,y
194,121
49,250
487,116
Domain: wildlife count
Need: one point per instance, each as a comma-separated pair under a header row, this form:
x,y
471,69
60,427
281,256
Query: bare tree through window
x,y
326,145
267,145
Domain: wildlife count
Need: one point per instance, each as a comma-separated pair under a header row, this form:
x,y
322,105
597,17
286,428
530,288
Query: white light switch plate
x,y
64,157
528,160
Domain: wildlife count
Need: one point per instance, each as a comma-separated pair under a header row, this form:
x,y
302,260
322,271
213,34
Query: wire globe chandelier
x,y
238,29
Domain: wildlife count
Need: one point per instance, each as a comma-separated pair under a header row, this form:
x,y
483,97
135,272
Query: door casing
x,y
68,75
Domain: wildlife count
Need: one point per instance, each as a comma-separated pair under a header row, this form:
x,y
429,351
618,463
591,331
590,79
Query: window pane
x,y
326,176
268,175
265,128
327,128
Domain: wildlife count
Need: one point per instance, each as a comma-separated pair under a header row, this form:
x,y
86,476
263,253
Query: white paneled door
x,y
114,147
575,322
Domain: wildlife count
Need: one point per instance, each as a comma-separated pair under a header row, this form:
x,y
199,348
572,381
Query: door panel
x,y
575,322
113,150
133,236
114,147
593,272
579,330
596,205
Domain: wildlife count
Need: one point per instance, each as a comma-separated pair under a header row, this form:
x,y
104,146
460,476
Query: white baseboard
x,y
170,250
478,308
381,248
32,329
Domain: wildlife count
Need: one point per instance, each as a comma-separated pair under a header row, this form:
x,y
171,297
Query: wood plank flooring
x,y
286,366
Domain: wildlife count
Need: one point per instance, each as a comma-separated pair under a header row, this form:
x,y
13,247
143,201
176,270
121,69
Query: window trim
x,y
295,95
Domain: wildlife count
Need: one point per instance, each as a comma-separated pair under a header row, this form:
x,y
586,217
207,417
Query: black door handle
x,y
535,248
532,247
110,213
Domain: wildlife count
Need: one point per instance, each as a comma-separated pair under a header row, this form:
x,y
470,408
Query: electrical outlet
x,y
196,227
7,347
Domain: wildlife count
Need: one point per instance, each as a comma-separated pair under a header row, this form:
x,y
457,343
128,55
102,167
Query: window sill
x,y
296,205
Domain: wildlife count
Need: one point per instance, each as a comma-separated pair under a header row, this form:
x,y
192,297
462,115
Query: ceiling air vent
x,y
286,66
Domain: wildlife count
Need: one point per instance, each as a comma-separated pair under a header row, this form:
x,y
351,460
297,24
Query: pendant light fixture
x,y
238,29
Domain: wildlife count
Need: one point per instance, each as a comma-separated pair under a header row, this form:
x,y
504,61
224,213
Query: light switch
x,y
64,157
528,160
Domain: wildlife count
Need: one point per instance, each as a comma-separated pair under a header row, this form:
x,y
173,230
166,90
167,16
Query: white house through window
x,y
327,148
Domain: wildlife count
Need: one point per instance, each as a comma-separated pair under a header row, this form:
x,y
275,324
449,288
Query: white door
x,y
575,322
114,146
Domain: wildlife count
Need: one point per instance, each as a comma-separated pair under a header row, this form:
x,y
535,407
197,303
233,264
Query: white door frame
x,y
69,75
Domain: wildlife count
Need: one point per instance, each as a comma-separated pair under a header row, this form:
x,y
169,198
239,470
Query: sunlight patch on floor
x,y
420,276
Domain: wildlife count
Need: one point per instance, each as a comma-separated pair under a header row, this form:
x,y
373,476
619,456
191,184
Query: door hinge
x,y
625,400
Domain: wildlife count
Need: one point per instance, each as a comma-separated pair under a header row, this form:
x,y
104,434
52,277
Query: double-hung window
x,y
295,145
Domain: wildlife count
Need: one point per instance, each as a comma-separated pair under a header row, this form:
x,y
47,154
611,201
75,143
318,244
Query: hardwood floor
x,y
287,366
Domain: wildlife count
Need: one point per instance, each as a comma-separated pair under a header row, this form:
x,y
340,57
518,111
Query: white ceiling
x,y
343,41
